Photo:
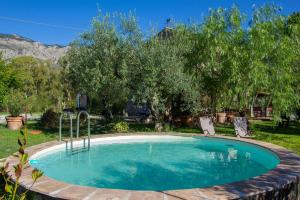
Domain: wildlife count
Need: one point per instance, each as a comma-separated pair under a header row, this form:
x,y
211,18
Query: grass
x,y
267,132
264,131
8,140
286,137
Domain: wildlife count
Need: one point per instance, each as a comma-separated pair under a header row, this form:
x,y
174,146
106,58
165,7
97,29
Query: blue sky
x,y
70,17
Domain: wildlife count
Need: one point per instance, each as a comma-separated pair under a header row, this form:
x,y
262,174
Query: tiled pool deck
x,y
283,182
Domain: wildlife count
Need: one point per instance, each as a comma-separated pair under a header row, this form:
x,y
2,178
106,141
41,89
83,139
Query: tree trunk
x,y
267,111
158,126
107,110
251,111
156,118
168,114
252,105
213,104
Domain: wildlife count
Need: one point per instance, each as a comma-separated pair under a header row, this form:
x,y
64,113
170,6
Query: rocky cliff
x,y
15,45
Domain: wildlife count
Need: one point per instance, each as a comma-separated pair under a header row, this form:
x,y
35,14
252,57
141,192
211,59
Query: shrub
x,y
121,127
167,127
50,119
15,103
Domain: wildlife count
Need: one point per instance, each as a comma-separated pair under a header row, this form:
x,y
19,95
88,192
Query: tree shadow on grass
x,y
96,128
293,129
140,127
262,127
188,129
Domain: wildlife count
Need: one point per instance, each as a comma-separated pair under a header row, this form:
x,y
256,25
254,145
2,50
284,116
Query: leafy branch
x,y
12,184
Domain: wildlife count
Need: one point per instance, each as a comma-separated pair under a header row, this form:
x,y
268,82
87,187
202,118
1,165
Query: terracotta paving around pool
x,y
283,182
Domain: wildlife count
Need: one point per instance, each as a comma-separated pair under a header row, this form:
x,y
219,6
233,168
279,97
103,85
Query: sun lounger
x,y
207,125
241,127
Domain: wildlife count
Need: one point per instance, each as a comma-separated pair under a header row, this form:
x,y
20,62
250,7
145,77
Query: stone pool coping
x,y
283,180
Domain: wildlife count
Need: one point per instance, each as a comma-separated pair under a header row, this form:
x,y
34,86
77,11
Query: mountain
x,y
12,45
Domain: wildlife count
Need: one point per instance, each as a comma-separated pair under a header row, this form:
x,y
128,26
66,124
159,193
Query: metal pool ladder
x,y
70,116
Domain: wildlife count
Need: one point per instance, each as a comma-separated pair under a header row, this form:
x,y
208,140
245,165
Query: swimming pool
x,y
156,163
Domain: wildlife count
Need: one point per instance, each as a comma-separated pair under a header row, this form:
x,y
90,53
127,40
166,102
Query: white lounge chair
x,y
207,125
241,127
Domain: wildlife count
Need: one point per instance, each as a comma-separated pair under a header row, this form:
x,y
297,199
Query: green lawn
x,y
8,140
264,130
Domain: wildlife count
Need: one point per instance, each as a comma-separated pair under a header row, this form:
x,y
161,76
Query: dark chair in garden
x,y
241,127
207,126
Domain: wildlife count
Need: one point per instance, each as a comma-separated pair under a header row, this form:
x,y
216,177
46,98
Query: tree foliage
x,y
187,69
8,79
216,54
40,83
272,55
113,63
37,81
235,65
158,77
96,65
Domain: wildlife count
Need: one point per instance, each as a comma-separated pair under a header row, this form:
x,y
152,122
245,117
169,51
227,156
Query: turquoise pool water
x,y
159,164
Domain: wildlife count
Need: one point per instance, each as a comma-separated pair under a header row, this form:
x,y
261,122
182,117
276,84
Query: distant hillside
x,y
12,45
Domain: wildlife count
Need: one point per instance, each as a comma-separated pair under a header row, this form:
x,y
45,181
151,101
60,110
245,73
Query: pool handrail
x,y
89,125
69,114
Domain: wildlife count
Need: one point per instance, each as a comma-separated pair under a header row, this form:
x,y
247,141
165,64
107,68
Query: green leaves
x,y
36,174
233,65
158,77
272,61
23,196
11,185
9,79
216,54
24,159
28,80
208,67
97,59
8,188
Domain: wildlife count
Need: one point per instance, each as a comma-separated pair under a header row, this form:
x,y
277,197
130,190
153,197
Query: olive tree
x,y
158,77
96,62
216,65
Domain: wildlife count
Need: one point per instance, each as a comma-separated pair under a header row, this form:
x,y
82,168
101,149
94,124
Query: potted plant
x,y
15,103
230,117
221,117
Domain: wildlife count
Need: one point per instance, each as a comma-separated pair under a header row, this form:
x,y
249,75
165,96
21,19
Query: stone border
x,y
283,182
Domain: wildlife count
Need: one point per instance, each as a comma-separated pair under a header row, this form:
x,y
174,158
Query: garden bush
x,y
121,127
50,119
167,127
15,103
